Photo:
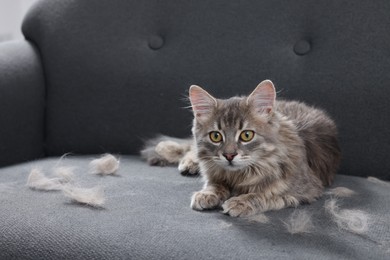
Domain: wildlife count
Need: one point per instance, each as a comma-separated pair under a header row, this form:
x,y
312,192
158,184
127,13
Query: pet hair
x,y
378,181
224,225
260,218
89,196
65,174
62,158
7,187
38,181
341,192
354,221
106,165
299,222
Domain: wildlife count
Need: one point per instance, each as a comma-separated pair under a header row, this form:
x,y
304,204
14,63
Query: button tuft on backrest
x,y
156,42
302,47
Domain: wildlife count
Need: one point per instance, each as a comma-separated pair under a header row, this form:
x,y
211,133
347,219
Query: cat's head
x,y
233,133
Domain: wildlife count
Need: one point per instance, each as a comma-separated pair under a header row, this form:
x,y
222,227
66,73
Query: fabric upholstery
x,y
22,101
147,216
117,71
99,76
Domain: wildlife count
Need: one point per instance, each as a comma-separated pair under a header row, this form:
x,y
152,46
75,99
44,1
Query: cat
x,y
255,153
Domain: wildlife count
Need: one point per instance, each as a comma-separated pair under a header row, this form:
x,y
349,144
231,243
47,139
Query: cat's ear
x,y
202,103
263,97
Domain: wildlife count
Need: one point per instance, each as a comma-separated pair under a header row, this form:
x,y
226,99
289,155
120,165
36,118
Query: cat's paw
x,y
204,200
189,166
238,207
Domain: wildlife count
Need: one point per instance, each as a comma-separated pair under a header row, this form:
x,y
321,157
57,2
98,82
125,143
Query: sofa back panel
x,y
22,102
117,71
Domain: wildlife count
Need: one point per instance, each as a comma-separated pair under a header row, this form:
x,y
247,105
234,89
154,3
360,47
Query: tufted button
x,y
156,42
302,47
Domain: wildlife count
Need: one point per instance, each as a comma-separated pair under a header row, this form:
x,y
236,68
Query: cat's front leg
x,y
252,203
210,197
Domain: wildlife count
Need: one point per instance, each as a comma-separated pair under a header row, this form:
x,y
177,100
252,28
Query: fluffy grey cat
x,y
255,153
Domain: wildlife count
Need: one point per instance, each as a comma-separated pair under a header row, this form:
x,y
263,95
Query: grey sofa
x,y
93,77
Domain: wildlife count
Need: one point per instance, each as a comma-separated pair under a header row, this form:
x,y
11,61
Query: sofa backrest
x,y
117,71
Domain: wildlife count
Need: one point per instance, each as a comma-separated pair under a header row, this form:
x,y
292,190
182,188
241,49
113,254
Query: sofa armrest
x,y
22,101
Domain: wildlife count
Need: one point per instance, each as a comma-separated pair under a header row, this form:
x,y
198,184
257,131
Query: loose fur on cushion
x,y
65,173
378,181
300,221
254,153
355,221
105,165
259,218
90,196
341,192
64,181
38,181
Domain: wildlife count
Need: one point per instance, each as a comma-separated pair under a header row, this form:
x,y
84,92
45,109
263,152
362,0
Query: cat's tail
x,y
164,150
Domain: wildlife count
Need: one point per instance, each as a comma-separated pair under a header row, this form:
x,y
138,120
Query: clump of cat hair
x,y
354,221
259,218
89,196
38,181
8,187
105,165
66,174
63,180
299,222
378,181
341,192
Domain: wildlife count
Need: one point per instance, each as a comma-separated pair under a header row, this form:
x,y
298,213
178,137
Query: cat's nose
x,y
229,156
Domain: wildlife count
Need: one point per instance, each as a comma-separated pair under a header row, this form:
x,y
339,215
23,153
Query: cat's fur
x,y
294,152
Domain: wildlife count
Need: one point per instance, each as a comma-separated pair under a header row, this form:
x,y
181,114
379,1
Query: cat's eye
x,y
247,135
215,136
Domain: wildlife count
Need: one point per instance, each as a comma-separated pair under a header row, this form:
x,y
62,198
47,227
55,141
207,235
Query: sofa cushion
x,y
118,72
147,216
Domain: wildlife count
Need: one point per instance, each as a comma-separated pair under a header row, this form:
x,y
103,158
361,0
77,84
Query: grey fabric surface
x,y
22,94
117,70
147,216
